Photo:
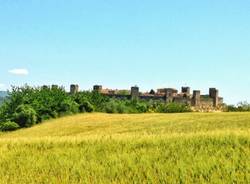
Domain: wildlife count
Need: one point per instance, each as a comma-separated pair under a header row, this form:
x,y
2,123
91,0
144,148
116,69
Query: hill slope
x,y
154,148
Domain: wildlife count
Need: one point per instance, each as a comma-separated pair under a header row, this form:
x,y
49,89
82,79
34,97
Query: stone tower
x,y
45,87
74,88
134,93
214,94
97,88
185,90
54,86
196,98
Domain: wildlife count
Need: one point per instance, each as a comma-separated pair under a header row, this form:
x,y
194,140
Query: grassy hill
x,y
144,148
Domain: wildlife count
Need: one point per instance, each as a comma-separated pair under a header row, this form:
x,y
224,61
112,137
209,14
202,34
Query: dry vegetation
x,y
144,148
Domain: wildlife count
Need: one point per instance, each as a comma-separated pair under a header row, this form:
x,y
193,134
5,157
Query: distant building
x,y
168,95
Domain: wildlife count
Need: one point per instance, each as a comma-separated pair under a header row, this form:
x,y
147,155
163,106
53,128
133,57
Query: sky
x,y
118,44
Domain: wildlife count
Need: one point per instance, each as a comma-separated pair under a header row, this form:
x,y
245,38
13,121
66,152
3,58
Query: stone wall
x,y
167,95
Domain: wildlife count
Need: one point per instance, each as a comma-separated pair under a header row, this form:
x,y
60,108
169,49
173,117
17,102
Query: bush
x,y
241,107
25,116
118,106
231,108
122,108
141,107
9,126
110,107
83,102
96,99
68,106
86,106
173,108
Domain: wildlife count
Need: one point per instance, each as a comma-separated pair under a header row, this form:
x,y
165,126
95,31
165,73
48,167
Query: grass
x,y
144,148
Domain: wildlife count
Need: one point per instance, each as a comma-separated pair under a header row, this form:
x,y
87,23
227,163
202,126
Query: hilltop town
x,y
212,100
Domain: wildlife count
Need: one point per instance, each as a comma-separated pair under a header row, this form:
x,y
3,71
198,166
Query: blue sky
x,y
119,43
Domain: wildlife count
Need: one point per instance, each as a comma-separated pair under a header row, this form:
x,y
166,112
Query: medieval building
x,y
167,95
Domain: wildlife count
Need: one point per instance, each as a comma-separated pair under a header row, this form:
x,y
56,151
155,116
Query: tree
x,y
25,116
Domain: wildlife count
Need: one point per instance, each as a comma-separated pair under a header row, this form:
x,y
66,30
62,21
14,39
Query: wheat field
x,y
135,148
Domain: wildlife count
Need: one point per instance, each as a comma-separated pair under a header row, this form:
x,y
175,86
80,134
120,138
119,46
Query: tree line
x,y
26,106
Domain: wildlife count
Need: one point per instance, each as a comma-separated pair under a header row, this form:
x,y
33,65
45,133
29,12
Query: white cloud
x,y
19,71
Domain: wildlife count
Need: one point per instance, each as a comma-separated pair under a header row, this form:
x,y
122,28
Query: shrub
x,y
141,107
25,116
83,102
68,106
231,108
241,107
86,106
8,126
122,108
91,101
173,108
117,106
110,107
97,100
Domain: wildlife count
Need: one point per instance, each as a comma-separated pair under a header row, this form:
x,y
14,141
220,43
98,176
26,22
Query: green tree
x,y
25,116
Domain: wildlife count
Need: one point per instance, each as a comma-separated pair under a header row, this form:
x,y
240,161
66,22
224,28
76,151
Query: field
x,y
143,148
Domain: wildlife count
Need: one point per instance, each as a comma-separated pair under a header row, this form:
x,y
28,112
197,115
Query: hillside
x,y
103,148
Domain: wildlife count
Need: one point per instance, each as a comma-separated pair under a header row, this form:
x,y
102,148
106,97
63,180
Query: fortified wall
x,y
167,95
